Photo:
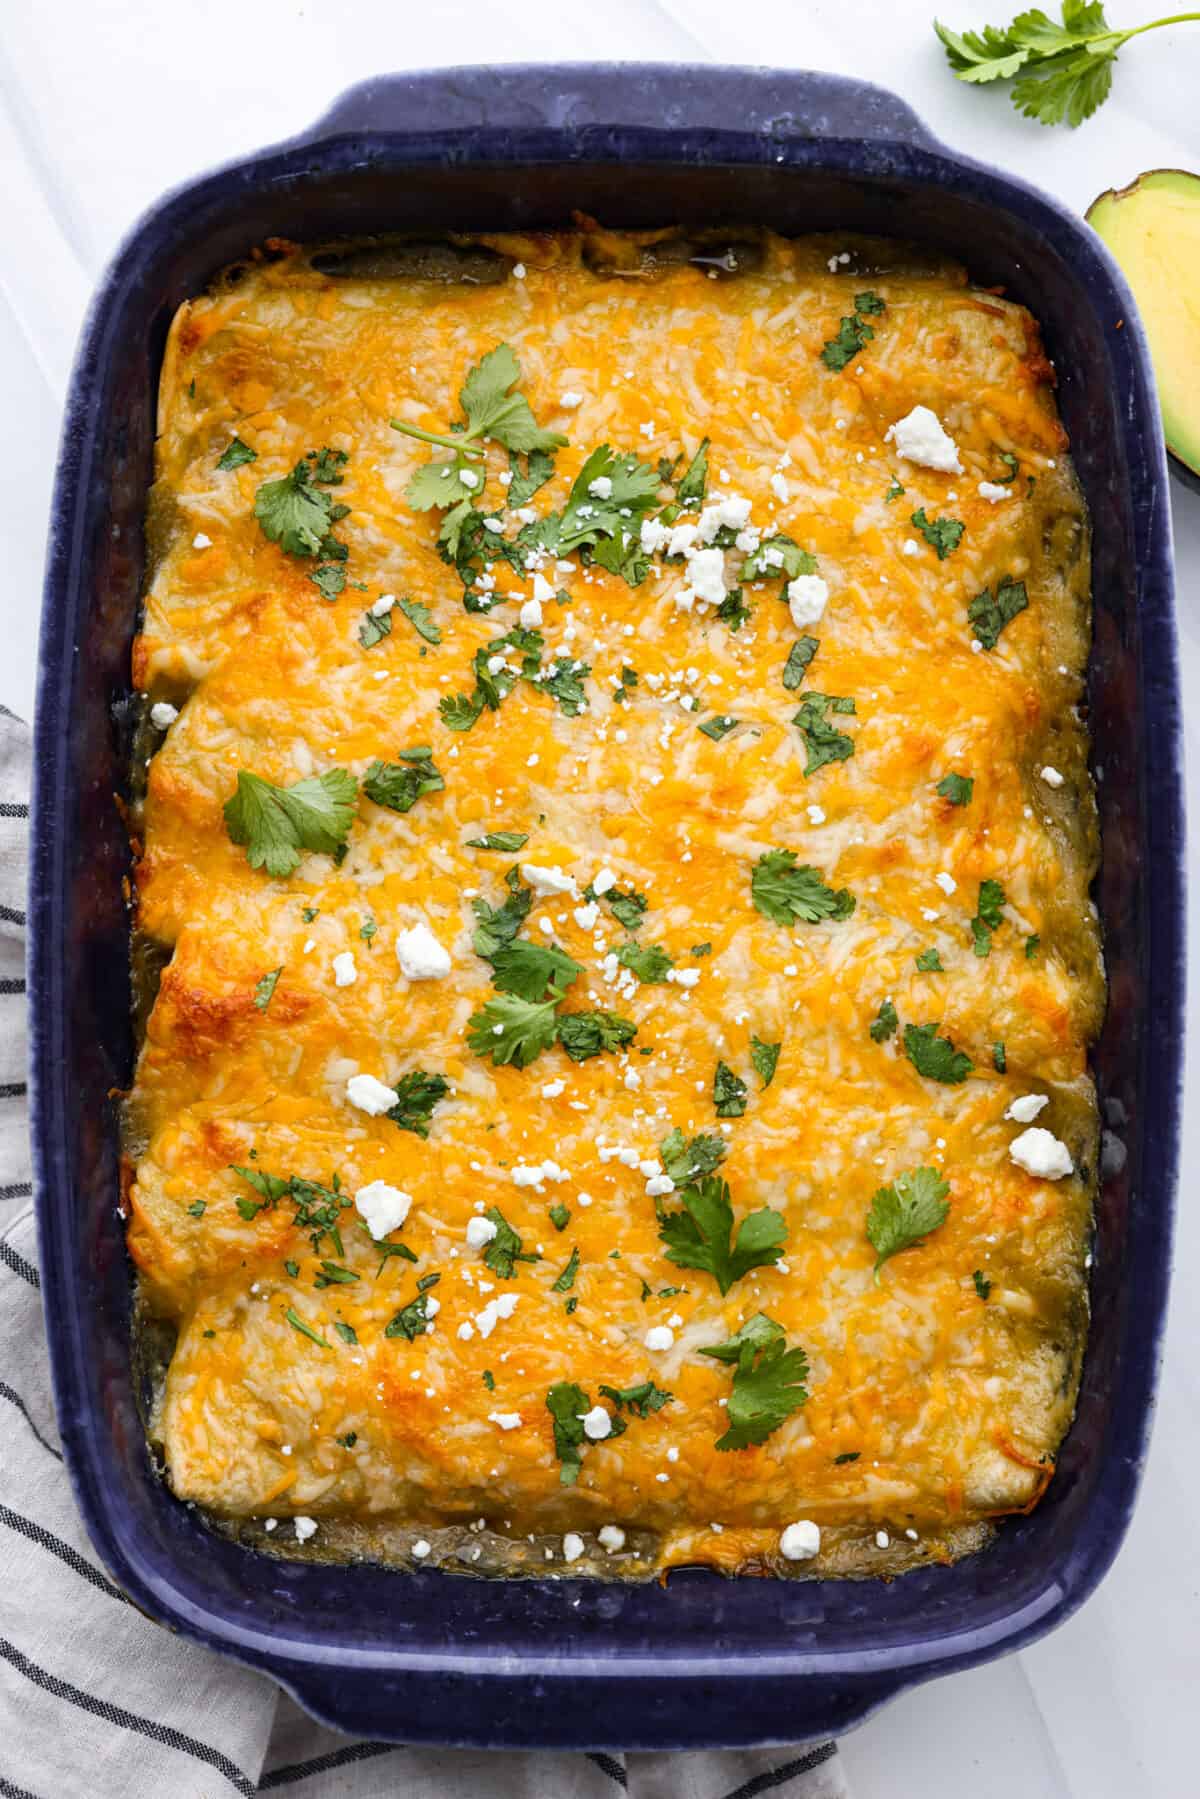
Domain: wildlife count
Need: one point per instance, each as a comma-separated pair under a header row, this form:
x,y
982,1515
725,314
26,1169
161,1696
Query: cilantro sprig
x,y
296,514
903,1214
853,332
790,894
701,1235
768,1381
491,410
277,825
1061,72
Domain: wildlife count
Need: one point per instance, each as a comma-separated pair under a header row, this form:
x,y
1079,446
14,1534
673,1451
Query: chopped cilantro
x,y
778,555
929,962
197,1208
729,1092
684,1160
849,1455
334,1275
718,726
566,1279
294,513
505,1249
641,1400
701,1235
885,1023
499,925
586,1034
957,789
567,1405
535,971
367,930
509,841
799,657
989,916
941,534
421,619
689,492
237,453
417,1093
411,1321
852,335
539,468
983,1285
989,616
764,1058
649,962
999,1058
277,825
373,628
903,1214
587,519
700,949
823,741
399,785
787,894
266,987
1032,946
935,1057
458,711
511,1029
306,1330
627,908
559,1216
489,1380
1011,464
894,491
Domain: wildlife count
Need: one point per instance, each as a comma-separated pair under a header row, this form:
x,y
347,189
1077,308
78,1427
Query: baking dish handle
x,y
776,103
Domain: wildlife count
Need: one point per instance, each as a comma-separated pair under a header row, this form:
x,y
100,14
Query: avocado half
x,y
1152,228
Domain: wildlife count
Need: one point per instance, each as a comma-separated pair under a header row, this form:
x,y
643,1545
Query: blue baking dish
x,y
430,1657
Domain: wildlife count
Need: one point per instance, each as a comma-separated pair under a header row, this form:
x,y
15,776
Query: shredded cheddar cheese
x,y
855,882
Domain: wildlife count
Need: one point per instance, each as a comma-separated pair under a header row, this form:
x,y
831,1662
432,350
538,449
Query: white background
x,y
103,103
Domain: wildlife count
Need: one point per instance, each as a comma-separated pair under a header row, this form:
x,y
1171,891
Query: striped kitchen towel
x,y
96,1701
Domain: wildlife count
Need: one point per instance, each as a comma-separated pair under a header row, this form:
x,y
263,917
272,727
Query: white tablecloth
x,y
104,102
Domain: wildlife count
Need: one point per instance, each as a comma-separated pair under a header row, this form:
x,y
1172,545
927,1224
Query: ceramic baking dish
x,y
436,1658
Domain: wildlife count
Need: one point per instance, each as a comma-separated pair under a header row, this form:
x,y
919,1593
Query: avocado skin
x,y
1123,218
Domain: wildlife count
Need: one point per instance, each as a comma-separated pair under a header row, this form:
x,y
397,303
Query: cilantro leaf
x,y
778,555
586,1034
941,534
265,989
505,1249
903,1214
885,1023
626,907
559,1215
1032,945
509,841
493,410
417,1093
935,1057
459,711
853,335
768,1382
989,915
929,962
799,657
823,741
869,303
957,789
276,825
539,468
587,518
764,1058
567,1405
421,619
498,925
983,1285
399,785
989,616
237,454
566,1279
649,962
641,1399
411,1321
729,1092
700,1235
530,969
718,726
511,1029
374,627
684,1160
294,513
787,894
894,491
306,1330
689,493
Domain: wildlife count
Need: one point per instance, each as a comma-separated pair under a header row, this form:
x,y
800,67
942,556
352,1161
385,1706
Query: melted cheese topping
x,y
930,1409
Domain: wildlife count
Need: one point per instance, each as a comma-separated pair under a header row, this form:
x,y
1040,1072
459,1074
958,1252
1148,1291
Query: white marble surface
x,y
105,102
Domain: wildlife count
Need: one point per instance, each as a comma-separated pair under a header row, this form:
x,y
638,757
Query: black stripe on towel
x,y
775,1777
14,1398
13,1259
163,1734
322,1764
36,1533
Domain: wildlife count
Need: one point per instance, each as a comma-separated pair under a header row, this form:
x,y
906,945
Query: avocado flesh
x,y
1152,228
